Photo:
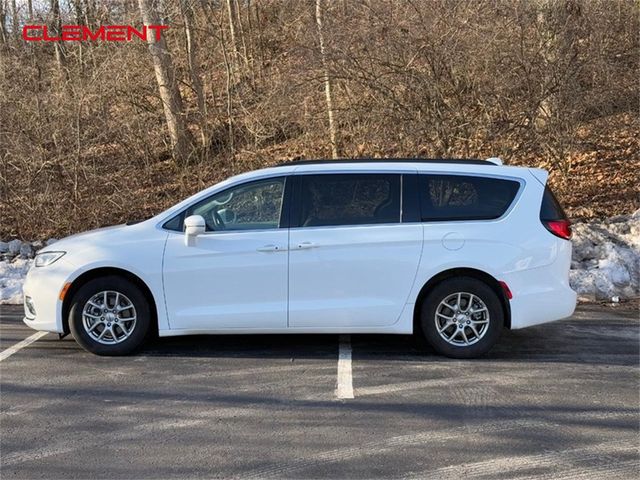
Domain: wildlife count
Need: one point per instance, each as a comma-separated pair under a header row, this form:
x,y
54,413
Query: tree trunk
x,y
194,68
77,7
228,69
559,110
56,27
169,93
251,48
3,26
232,28
88,13
15,23
260,42
241,31
79,20
327,81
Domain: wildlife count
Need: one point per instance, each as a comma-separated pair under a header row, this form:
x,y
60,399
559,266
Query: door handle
x,y
270,248
306,245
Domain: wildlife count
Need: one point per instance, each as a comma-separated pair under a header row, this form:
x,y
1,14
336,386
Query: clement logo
x,y
81,33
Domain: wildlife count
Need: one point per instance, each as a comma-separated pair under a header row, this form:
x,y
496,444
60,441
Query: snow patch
x,y
12,274
606,258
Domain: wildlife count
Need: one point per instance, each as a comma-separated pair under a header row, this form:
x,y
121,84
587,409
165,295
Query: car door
x,y
235,276
352,260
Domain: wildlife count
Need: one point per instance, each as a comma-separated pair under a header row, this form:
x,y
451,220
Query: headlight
x,y
47,258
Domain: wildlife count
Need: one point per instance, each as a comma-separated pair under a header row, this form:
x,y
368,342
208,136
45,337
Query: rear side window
x,y
550,209
465,197
348,199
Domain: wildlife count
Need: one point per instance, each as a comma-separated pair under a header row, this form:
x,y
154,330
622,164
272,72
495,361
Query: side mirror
x,y
193,226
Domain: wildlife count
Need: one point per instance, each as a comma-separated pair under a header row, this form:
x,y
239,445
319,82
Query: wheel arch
x,y
104,272
491,281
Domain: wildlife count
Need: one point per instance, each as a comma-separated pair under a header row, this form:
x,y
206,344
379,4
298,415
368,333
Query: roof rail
x,y
469,161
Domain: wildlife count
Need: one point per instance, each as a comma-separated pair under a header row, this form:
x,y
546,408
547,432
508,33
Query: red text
x,y
81,33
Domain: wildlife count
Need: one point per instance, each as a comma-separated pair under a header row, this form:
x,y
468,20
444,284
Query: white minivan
x,y
454,250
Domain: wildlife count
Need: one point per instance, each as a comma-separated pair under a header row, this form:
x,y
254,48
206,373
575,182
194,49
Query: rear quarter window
x,y
550,208
465,197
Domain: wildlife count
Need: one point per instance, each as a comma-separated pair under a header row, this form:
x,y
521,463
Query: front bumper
x,y
42,289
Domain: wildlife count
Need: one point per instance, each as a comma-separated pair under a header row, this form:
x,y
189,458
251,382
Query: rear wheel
x,y
462,317
109,316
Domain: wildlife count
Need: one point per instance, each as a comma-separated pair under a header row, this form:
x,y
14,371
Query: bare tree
x,y
15,22
232,28
194,68
3,26
245,55
327,80
251,49
403,78
218,32
56,27
169,93
560,26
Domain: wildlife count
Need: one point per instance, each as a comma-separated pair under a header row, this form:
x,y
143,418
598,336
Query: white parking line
x,y
345,379
20,345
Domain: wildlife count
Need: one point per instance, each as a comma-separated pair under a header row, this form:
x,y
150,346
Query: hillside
x,y
85,140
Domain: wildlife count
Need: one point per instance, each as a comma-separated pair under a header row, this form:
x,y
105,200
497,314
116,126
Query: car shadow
x,y
595,335
561,342
246,346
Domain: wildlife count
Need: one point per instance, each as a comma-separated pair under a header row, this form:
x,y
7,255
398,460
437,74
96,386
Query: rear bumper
x,y
542,307
543,294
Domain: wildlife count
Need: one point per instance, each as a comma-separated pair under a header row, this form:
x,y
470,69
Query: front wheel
x,y
109,316
462,317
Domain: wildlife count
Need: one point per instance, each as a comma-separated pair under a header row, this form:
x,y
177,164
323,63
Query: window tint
x,y
349,199
250,206
460,197
550,209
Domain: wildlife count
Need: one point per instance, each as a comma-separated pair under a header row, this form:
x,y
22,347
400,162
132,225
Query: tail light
x,y
560,228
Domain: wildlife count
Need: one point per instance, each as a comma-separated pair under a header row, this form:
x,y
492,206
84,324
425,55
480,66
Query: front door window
x,y
251,206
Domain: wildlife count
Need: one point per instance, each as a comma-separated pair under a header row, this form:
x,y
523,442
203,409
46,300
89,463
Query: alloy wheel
x,y
462,319
109,317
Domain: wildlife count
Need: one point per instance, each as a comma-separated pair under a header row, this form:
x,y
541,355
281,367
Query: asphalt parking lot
x,y
555,401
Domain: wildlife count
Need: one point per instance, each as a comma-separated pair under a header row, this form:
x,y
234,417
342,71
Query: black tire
x,y
140,328
451,287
